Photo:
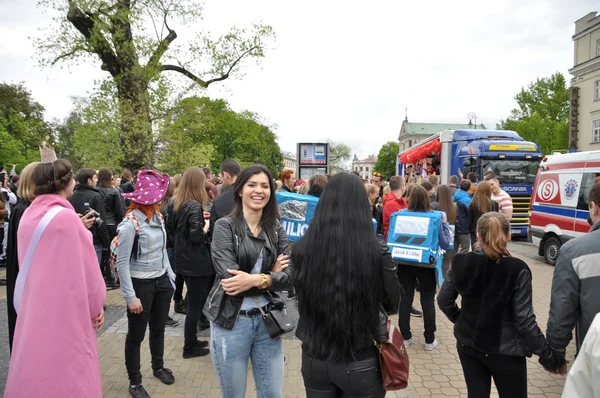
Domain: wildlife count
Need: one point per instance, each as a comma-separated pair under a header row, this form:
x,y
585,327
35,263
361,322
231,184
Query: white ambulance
x,y
559,201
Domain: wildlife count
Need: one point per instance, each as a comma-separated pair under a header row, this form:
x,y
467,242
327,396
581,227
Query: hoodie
x,y
462,197
391,204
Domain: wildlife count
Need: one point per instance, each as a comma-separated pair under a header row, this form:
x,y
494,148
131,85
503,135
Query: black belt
x,y
256,311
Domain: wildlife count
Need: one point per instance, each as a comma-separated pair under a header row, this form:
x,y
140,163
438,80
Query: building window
x,y
361,168
367,168
597,90
409,143
598,48
596,130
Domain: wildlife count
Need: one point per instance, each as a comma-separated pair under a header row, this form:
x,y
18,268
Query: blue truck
x,y
514,161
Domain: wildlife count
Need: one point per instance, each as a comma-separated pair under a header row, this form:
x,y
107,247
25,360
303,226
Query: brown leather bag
x,y
393,360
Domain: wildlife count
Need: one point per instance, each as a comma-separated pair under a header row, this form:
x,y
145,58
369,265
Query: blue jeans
x,y
98,248
231,349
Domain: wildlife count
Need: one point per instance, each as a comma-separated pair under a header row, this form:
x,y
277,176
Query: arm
x,y
12,198
222,249
444,236
196,224
391,285
472,225
564,303
118,206
281,280
126,233
98,205
507,208
447,298
214,216
527,326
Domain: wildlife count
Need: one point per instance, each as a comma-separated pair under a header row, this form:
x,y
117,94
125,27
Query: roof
x,y
369,159
411,128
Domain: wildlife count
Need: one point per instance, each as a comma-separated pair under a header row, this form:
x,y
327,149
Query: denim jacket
x,y
151,251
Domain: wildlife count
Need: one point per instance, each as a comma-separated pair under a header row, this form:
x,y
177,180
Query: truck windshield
x,y
511,171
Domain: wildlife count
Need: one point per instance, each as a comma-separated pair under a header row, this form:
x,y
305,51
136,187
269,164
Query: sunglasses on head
x,y
377,174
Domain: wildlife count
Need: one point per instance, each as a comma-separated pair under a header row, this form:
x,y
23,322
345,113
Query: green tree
x,y
339,154
386,160
135,44
22,126
543,114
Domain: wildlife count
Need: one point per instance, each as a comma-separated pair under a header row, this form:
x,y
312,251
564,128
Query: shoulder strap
x,y
24,267
135,222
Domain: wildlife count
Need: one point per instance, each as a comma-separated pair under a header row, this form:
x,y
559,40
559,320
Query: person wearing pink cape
x,y
59,296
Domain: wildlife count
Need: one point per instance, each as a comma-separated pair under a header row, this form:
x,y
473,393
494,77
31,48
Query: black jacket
x,y
192,245
113,204
377,211
84,197
221,206
462,219
496,314
126,187
475,214
390,286
233,251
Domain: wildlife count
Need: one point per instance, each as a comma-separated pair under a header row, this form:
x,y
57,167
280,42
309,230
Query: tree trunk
x,y
137,142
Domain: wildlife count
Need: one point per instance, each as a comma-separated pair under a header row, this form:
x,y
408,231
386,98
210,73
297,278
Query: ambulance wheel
x,y
551,250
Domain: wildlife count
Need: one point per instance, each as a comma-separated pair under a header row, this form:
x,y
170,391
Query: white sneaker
x,y
408,342
430,347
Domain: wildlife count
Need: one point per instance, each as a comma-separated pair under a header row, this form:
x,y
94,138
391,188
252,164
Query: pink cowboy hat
x,y
150,188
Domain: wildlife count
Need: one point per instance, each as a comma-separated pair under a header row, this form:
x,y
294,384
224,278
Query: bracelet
x,y
263,281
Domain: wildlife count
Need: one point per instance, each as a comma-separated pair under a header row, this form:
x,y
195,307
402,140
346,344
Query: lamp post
x,y
472,116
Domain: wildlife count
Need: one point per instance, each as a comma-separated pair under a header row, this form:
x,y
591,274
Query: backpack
x,y
413,238
114,247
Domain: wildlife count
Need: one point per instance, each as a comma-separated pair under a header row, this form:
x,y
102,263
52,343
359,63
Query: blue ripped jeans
x,y
231,349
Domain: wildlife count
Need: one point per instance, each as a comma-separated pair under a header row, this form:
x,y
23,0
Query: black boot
x,y
180,306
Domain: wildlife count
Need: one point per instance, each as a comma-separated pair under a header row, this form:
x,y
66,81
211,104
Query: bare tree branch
x,y
64,55
85,25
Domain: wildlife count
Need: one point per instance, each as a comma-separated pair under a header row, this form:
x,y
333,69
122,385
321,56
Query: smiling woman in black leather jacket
x,y
495,327
344,276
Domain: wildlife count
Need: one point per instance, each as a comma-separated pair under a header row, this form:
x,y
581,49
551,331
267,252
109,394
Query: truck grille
x,y
520,210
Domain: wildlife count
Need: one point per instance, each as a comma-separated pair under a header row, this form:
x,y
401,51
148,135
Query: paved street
x,y
433,374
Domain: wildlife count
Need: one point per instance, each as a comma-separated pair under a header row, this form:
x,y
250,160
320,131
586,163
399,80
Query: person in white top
x,y
500,196
582,379
10,199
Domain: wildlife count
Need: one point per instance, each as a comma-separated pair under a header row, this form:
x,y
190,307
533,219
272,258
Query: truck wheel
x,y
551,250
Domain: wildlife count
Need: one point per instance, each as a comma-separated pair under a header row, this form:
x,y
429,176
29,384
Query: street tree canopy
x,y
543,114
386,159
135,43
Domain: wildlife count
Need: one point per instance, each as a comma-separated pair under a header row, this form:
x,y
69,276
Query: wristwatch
x,y
263,281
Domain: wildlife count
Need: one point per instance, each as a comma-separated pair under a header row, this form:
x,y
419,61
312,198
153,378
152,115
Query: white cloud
x,y
345,70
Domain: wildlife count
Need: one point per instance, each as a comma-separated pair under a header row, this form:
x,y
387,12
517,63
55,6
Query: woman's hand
x,y
444,217
136,306
240,282
87,219
206,225
282,263
98,322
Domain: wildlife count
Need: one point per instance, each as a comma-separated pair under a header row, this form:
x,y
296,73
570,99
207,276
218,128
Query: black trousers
x,y
105,265
408,275
197,293
360,379
509,373
155,295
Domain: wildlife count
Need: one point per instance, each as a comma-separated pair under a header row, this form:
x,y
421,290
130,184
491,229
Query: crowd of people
x,y
222,238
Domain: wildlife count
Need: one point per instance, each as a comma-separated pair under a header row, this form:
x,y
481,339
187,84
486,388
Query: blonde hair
x,y
387,190
494,231
482,200
26,189
303,190
371,188
191,188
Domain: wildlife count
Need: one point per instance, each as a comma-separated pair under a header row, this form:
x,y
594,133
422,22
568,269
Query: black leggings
x,y
409,275
324,379
509,373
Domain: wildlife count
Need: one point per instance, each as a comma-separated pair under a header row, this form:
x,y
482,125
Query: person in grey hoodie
x,y
575,297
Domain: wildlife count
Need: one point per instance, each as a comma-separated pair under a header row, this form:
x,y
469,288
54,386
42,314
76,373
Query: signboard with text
x,y
312,154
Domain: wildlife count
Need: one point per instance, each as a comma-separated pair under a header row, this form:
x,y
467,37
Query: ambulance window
x,y
586,184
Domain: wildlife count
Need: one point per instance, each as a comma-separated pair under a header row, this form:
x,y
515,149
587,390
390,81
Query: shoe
x,y
197,351
165,375
431,346
171,322
408,342
415,312
138,392
292,297
180,307
201,344
203,325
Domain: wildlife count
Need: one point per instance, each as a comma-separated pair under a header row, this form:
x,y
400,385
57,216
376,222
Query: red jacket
x,y
391,204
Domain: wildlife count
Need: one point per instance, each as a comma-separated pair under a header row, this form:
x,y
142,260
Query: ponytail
x,y
494,231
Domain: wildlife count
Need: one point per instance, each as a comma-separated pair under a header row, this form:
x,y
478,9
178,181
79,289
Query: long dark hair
x,y
270,213
444,198
418,201
338,268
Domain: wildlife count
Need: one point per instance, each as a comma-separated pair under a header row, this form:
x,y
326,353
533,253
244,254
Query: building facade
x,y
412,133
290,162
584,124
365,166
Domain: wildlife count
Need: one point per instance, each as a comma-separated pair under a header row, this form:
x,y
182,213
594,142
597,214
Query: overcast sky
x,y
346,70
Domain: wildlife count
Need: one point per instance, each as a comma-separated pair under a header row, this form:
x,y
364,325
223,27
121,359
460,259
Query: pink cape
x,y
55,351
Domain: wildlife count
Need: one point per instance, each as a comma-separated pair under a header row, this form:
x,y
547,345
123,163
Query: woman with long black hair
x,y
345,278
250,257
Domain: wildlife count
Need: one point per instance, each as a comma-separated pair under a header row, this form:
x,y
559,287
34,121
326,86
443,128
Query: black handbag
x,y
277,320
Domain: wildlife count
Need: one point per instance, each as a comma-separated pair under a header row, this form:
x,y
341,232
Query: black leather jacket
x,y
391,288
496,316
192,245
227,249
113,205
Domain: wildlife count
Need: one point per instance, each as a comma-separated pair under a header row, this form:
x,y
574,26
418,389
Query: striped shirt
x,y
504,200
